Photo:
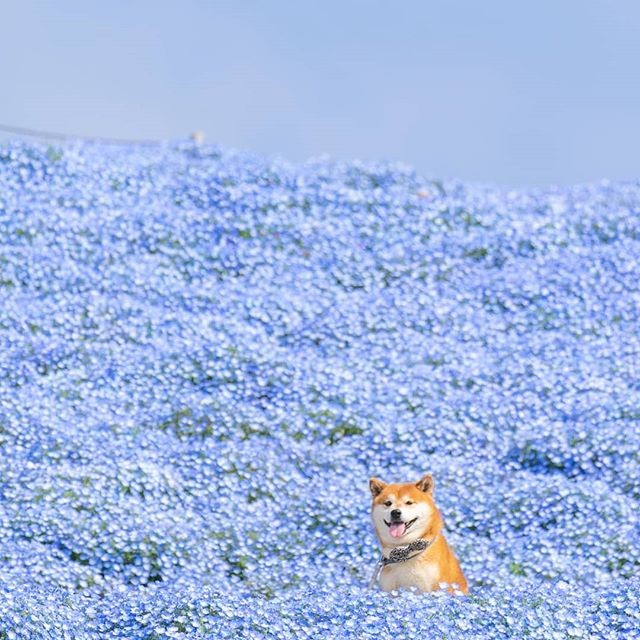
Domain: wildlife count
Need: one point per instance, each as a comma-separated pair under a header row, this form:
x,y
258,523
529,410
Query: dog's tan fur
x,y
434,565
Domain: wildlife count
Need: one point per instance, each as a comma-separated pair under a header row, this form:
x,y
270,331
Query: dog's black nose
x,y
396,514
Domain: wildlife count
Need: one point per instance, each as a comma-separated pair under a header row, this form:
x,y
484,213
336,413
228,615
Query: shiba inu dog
x,y
410,530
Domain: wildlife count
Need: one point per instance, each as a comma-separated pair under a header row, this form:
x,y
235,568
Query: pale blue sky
x,y
508,92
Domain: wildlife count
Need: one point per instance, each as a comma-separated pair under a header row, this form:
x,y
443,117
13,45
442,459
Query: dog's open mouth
x,y
398,529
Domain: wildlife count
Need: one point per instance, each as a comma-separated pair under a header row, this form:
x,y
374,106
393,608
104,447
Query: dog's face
x,y
402,512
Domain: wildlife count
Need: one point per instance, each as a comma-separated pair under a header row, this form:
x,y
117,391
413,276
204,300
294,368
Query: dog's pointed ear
x,y
376,486
426,484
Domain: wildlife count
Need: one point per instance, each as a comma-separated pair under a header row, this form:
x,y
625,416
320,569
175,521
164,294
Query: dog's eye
x,y
387,503
409,502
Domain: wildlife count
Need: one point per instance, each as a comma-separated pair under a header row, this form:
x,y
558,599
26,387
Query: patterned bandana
x,y
401,554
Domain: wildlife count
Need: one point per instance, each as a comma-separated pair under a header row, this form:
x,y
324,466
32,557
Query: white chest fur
x,y
412,573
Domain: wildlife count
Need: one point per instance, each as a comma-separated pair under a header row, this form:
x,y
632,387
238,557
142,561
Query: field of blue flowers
x,y
205,354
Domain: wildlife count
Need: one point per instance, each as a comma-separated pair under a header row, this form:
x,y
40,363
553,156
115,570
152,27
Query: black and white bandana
x,y
401,554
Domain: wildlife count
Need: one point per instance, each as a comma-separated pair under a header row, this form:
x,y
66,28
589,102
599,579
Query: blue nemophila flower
x,y
205,354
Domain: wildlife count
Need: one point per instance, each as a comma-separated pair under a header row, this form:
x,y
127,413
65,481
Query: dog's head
x,y
404,512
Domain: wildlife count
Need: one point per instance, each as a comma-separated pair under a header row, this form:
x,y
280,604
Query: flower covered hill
x,y
205,355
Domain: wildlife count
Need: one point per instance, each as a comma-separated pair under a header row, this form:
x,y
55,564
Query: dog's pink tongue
x,y
396,529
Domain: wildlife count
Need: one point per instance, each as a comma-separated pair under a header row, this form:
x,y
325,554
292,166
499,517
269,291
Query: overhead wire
x,y
50,135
